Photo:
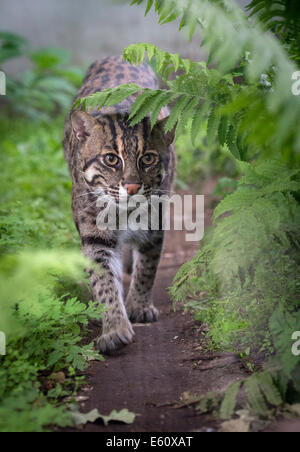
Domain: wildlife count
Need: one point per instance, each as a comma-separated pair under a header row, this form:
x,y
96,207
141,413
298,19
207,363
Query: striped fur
x,y
104,155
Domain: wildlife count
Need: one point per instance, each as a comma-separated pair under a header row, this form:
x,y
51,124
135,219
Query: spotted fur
x,y
106,156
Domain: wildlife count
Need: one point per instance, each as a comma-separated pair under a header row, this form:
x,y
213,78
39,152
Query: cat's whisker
x,y
86,194
158,190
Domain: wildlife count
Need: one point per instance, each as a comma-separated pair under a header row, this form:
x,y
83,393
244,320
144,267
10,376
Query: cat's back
x,y
113,71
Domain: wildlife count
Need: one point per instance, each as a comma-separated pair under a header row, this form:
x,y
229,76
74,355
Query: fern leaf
x,y
146,108
140,101
189,112
177,111
213,126
175,58
149,6
269,389
165,11
121,93
160,102
198,120
229,401
192,28
96,100
255,398
161,58
223,129
151,50
231,141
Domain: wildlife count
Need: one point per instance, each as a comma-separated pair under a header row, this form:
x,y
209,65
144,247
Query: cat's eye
x,y
111,159
149,159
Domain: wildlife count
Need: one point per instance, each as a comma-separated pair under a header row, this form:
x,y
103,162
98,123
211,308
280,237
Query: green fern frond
x,y
229,402
147,106
165,98
189,112
269,389
255,397
108,97
223,129
213,126
198,119
231,141
140,101
181,104
166,63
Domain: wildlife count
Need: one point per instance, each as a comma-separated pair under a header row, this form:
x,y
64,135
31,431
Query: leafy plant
x,y
12,46
261,392
199,161
45,89
281,17
40,272
234,113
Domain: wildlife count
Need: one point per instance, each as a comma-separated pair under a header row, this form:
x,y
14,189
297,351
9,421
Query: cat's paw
x,y
115,338
140,314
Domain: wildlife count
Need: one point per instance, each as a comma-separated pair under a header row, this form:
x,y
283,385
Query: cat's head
x,y
117,159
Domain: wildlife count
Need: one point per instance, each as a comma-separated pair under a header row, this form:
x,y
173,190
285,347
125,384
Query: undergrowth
x,y
43,323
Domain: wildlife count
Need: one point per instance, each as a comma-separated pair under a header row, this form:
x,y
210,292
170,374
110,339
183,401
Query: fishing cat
x,y
108,157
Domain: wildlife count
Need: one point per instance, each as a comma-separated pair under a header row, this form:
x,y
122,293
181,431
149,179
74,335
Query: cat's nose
x,y
132,189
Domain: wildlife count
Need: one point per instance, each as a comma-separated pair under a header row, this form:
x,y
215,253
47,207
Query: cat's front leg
x,y
139,305
106,286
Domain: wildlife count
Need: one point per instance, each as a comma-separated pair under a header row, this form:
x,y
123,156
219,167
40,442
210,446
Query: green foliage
x,y
17,415
245,282
281,17
106,98
165,63
43,332
188,92
235,111
259,391
39,269
229,402
263,217
12,46
263,212
47,87
283,323
35,198
199,161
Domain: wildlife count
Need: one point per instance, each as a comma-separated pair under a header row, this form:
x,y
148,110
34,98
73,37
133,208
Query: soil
x,y
166,362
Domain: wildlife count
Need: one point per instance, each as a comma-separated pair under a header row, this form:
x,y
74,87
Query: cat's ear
x,y
82,124
159,129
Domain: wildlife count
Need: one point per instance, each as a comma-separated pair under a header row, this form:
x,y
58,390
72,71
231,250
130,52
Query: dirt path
x,y
150,376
